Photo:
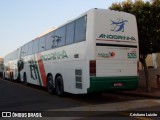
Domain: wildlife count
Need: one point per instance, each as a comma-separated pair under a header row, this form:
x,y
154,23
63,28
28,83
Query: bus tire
x,y
59,86
25,79
11,76
50,85
4,77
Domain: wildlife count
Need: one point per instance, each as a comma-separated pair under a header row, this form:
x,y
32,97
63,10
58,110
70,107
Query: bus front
x,y
114,66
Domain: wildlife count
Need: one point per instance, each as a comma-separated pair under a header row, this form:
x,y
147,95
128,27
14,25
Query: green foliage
x,y
156,25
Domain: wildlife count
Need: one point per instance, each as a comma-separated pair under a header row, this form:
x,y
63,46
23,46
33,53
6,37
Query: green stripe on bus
x,y
102,84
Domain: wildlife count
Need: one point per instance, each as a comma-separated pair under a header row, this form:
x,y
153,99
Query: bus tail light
x,y
92,66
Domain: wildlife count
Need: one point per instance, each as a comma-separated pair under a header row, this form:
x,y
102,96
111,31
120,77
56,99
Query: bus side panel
x,y
69,62
30,68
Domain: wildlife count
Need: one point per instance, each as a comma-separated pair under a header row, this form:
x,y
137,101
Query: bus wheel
x,y
4,77
50,85
25,79
11,77
59,86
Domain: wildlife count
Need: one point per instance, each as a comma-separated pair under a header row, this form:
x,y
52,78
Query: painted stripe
x,y
42,70
116,40
116,45
37,70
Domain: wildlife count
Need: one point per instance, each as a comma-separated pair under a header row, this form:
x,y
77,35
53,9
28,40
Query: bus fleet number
x,y
132,55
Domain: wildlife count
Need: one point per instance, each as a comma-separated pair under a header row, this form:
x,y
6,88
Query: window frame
x,y
85,17
33,50
73,22
42,48
55,35
48,38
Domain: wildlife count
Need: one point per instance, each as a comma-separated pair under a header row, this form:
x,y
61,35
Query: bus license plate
x,y
118,84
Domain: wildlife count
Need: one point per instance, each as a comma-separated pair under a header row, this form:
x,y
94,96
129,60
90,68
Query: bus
x,y
10,65
95,52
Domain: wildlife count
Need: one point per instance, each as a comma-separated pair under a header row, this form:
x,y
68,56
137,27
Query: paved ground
x,y
154,93
17,97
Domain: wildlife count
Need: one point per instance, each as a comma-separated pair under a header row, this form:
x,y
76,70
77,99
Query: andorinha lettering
x,y
117,37
54,56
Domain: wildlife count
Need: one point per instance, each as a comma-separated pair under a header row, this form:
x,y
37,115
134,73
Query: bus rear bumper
x,y
102,84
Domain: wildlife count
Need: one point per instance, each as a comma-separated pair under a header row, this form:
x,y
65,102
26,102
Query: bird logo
x,y
118,25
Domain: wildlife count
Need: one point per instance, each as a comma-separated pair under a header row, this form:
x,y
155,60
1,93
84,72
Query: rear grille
x,y
78,78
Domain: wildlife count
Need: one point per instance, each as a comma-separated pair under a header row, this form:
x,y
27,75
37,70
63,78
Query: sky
x,y
23,20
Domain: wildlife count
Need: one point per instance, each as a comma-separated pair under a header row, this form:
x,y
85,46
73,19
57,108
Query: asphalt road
x,y
18,97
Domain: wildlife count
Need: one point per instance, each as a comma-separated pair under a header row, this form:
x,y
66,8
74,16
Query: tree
x,y
148,17
156,25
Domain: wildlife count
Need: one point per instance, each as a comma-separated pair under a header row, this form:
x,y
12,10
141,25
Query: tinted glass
x,y
59,38
80,29
42,44
70,33
26,49
30,48
16,53
35,46
49,41
23,51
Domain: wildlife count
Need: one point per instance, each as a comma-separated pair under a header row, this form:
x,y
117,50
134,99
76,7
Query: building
x,y
154,72
150,61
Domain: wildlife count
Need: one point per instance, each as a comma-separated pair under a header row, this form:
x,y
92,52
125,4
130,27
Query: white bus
x,y
96,52
11,66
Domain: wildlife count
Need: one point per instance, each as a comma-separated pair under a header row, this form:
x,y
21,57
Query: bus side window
x,y
23,51
60,36
80,29
26,49
42,44
30,48
70,33
35,46
16,54
49,40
